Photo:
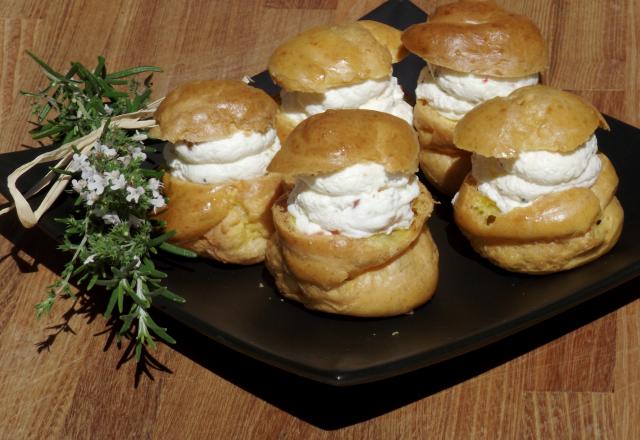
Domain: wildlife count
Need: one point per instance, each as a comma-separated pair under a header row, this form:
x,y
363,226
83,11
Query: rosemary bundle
x,y
111,234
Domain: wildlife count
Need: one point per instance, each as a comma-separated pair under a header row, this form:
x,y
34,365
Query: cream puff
x,y
338,67
540,198
475,51
221,138
350,235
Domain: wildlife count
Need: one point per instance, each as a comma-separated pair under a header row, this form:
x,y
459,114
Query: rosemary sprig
x,y
112,236
81,99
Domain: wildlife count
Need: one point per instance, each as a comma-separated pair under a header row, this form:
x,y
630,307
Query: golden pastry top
x,y
334,56
479,37
532,118
337,139
200,111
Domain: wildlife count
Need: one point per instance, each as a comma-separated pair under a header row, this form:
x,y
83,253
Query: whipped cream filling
x,y
453,93
518,182
358,201
241,156
384,95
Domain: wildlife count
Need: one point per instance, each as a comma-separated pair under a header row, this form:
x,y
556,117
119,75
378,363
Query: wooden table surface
x,y
576,376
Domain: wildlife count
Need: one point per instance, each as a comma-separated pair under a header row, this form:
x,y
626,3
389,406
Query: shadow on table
x,y
331,407
88,307
326,406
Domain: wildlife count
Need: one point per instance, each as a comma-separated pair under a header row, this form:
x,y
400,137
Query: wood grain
x,y
576,376
562,415
301,4
559,368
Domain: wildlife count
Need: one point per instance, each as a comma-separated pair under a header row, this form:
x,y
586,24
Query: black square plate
x,y
475,304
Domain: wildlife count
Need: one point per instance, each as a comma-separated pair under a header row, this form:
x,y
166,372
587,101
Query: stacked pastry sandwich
x,y
539,198
475,51
351,235
221,139
338,67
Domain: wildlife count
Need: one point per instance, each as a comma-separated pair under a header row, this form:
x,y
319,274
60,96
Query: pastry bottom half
x,y
554,255
381,275
230,223
556,232
397,286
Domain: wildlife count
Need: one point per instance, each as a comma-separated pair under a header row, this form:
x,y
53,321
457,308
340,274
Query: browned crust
x,y
229,223
554,216
531,118
397,286
329,56
199,111
337,139
542,257
479,37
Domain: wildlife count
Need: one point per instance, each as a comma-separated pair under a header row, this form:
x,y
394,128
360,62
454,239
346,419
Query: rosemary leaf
x,y
132,71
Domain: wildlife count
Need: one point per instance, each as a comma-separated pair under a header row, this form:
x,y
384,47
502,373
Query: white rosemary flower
x,y
154,184
116,179
87,171
110,176
78,185
90,198
137,153
119,183
157,202
134,193
96,183
78,162
104,150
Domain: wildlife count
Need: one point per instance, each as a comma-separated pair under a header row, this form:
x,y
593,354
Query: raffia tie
x,y
63,154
